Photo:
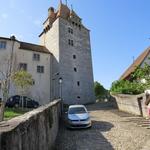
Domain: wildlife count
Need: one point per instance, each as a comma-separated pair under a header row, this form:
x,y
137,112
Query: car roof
x,y
75,106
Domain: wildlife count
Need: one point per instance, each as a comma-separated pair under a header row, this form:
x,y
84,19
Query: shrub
x,y
127,87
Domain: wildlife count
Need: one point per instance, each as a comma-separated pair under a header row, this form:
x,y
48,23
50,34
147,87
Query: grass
x,y
13,112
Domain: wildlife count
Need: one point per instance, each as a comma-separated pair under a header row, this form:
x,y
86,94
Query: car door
x,y
29,102
25,99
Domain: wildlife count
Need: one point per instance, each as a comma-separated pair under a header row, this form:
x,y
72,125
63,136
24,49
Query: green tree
x,y
23,80
138,83
100,91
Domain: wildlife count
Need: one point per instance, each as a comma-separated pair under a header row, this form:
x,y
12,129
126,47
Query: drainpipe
x,y
12,38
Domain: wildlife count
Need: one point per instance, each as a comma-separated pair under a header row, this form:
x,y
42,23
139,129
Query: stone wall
x,y
131,103
80,79
35,130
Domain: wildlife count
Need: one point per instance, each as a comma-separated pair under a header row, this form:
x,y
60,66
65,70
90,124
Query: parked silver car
x,y
78,117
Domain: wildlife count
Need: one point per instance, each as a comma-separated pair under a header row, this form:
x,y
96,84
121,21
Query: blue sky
x,y
120,29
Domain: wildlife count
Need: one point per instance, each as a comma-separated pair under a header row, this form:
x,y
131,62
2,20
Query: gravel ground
x,y
111,130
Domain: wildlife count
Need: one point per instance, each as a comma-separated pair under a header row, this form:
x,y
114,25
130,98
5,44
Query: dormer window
x,y
2,44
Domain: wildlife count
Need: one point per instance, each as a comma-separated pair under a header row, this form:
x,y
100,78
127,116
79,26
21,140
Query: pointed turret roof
x,y
72,13
63,11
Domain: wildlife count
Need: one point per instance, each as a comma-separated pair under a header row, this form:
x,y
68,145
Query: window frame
x,y
36,57
74,56
23,66
70,42
75,69
3,44
40,69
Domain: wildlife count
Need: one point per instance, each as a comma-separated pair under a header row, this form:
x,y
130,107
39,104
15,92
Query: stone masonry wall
x,y
134,104
82,93
35,130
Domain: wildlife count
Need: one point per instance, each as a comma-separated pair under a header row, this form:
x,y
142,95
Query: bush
x,y
127,87
134,85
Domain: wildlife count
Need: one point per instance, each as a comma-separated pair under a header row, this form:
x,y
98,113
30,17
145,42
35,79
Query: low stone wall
x,y
131,103
35,130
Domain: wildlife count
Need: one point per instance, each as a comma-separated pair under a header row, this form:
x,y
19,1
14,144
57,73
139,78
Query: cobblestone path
x,y
111,130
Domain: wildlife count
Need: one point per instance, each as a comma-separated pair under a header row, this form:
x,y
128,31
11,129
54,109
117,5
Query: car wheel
x,y
35,106
16,105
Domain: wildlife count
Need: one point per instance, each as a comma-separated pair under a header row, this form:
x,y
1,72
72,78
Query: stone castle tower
x,y
69,42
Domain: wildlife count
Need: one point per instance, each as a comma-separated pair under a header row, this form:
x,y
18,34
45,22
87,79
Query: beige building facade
x,y
33,58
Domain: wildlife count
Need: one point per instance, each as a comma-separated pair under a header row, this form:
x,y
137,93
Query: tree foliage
x,y
135,84
127,87
22,79
100,91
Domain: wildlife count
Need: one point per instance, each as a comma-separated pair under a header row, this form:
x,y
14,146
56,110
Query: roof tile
x,y
136,63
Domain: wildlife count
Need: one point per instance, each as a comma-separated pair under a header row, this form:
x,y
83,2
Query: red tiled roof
x,y
136,63
63,11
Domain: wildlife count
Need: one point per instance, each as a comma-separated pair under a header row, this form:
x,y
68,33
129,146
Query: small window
x,y
75,69
2,44
79,27
33,82
70,30
74,56
40,69
36,57
70,42
78,83
23,66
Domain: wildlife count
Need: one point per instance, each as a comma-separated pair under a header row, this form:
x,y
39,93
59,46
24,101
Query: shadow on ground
x,y
84,139
101,106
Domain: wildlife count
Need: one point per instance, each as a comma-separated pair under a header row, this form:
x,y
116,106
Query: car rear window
x,y
77,110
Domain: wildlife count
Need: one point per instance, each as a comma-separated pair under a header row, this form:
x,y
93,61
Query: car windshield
x,y
77,110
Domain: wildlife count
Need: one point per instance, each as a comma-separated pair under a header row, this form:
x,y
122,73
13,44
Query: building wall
x,y
56,40
40,91
7,59
72,92
146,60
50,40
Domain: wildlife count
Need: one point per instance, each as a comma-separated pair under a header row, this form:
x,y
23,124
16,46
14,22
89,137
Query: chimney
x,y
12,37
51,12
